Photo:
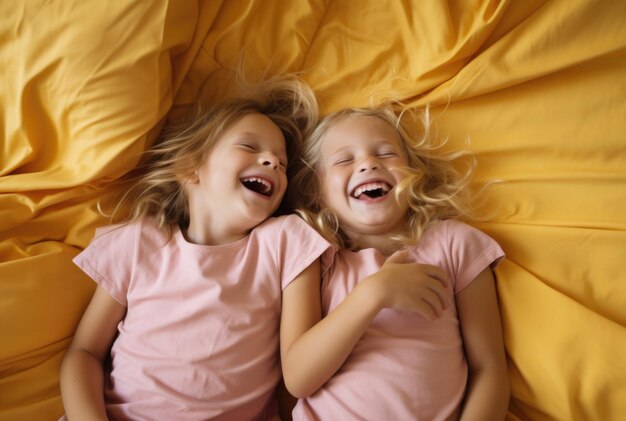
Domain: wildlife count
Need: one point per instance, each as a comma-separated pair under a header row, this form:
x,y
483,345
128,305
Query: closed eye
x,y
247,146
343,161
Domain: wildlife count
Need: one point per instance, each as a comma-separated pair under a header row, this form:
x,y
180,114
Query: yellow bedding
x,y
539,88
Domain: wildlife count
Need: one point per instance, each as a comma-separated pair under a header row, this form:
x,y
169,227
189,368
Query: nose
x,y
269,160
368,164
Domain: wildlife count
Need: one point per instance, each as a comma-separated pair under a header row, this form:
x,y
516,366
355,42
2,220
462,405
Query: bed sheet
x,y
537,87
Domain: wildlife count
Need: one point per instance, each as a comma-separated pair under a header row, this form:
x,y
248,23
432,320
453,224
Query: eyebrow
x,y
250,135
381,142
339,150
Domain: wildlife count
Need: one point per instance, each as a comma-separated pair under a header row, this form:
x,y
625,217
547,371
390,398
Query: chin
x,y
258,214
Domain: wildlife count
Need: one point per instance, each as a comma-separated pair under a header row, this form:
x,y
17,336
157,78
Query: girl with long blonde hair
x,y
194,287
408,288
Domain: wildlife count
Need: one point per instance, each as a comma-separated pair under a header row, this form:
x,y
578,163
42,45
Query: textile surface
x,y
535,89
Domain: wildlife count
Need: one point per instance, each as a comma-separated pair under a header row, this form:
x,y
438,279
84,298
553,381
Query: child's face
x,y
358,172
243,179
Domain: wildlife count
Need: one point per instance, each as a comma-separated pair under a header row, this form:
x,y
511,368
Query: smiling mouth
x,y
258,185
370,191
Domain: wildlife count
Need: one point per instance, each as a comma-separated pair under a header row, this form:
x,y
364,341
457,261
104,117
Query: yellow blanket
x,y
539,88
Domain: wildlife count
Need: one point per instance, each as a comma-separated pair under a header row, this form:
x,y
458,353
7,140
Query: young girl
x,y
190,287
428,342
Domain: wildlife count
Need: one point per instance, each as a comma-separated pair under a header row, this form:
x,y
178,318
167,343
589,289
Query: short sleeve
x,y
108,259
328,259
299,245
470,252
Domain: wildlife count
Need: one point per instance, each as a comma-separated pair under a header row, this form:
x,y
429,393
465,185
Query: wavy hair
x,y
434,185
155,186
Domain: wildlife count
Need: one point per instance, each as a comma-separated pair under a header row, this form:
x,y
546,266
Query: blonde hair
x,y
435,188
156,184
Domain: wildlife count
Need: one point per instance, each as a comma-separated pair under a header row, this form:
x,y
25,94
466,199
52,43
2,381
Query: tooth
x,y
369,187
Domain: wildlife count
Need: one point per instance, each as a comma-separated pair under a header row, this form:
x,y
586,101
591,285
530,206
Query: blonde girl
x,y
193,288
428,344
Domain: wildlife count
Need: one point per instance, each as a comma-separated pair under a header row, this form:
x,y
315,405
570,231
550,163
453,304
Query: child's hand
x,y
410,286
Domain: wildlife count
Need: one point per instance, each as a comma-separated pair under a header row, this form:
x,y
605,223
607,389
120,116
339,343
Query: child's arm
x,y
487,395
82,380
313,350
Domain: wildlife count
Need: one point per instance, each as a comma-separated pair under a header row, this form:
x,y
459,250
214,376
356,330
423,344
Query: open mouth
x,y
258,185
370,191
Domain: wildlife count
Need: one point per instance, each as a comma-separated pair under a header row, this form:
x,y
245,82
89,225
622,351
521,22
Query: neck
x,y
382,243
211,235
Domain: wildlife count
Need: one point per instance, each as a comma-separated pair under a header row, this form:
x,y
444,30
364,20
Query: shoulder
x,y
468,245
125,235
291,242
457,239
447,225
291,225
272,223
451,230
469,234
115,232
289,234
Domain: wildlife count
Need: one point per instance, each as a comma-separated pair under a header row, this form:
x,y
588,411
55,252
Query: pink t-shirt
x,y
404,367
200,337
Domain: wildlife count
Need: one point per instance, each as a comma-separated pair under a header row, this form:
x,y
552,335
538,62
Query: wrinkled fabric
x,y
535,89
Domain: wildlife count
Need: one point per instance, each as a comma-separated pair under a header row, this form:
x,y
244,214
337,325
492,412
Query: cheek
x,y
284,182
398,175
332,188
328,183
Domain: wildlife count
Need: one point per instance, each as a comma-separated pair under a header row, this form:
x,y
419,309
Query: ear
x,y
192,178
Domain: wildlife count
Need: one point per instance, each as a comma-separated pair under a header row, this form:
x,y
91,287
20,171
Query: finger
x,y
435,272
426,302
426,311
431,312
432,300
440,293
398,257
